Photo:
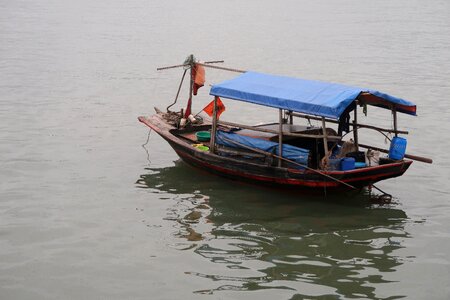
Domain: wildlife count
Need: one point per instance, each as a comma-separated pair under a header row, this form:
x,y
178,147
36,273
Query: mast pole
x,y
191,83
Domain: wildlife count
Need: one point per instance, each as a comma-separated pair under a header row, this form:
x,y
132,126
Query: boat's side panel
x,y
236,169
244,170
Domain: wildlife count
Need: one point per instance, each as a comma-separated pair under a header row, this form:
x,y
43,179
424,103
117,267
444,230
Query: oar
x,y
410,156
287,160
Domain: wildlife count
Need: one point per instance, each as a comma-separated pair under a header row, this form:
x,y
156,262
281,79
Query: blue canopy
x,y
305,96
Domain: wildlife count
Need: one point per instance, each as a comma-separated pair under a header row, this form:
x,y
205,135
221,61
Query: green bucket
x,y
203,136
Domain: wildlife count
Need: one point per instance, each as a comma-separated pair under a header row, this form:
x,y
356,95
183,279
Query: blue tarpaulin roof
x,y
305,96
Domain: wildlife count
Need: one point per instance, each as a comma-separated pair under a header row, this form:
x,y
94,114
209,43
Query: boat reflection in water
x,y
281,244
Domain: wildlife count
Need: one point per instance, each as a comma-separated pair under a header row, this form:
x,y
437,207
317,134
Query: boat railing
x,y
275,132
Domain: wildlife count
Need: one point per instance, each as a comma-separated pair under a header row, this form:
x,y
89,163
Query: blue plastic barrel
x,y
347,163
398,148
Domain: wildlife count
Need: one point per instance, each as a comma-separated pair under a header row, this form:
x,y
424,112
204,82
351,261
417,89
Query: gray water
x,y
87,213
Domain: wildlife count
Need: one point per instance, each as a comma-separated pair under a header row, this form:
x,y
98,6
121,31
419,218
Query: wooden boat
x,y
285,154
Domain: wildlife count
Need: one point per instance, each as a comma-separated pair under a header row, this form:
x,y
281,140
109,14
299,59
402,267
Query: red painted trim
x,y
286,181
252,176
377,101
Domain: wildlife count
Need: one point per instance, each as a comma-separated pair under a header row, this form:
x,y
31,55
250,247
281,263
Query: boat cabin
x,y
312,100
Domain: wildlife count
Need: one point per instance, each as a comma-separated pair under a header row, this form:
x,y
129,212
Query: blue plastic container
x,y
359,165
334,164
347,163
398,148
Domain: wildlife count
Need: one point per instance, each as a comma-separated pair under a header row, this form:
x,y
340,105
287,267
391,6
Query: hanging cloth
x,y
344,120
198,77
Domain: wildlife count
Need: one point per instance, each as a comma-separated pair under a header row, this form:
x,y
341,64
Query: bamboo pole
x,y
212,142
225,123
355,126
186,65
191,83
280,135
178,92
410,156
394,115
221,68
172,67
325,139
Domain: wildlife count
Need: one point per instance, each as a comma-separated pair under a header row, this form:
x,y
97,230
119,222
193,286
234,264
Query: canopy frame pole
x,y
280,137
286,133
212,142
325,138
355,125
299,115
394,116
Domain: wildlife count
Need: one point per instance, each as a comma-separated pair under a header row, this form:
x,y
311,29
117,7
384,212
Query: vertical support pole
x,y
291,118
191,82
191,87
280,137
212,142
394,115
325,139
355,126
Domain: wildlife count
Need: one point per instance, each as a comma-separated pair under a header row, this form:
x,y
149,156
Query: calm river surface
x,y
87,213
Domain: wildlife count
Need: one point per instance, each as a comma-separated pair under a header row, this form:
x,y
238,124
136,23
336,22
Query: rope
x,y
148,138
143,146
385,198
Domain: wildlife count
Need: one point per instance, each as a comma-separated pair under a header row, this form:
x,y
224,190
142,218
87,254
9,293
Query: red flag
x,y
209,109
